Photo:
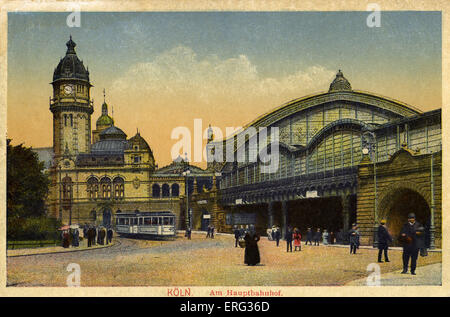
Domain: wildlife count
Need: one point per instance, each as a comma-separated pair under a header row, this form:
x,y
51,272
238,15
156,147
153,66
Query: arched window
x,y
71,120
92,188
66,191
119,189
105,185
65,120
156,191
93,215
165,190
175,190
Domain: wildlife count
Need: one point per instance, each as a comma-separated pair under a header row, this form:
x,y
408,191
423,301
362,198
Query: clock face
x,y
68,89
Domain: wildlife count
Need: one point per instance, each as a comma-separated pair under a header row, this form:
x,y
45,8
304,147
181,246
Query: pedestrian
x,y
236,236
309,236
95,231
188,233
109,235
384,238
410,236
325,237
102,235
89,236
277,235
212,232
70,232
297,240
241,231
354,239
317,237
288,238
85,231
76,238
65,240
332,237
251,256
208,232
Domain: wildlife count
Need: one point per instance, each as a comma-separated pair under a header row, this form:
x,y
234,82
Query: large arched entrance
x,y
396,206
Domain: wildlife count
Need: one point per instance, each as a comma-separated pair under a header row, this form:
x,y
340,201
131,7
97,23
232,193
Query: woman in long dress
x,y
297,240
251,247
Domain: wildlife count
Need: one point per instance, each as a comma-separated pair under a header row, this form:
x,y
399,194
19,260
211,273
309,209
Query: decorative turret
x,y
340,83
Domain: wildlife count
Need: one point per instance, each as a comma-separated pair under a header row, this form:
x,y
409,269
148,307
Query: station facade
x,y
345,156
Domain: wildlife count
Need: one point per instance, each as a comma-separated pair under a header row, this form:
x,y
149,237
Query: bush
x,y
33,228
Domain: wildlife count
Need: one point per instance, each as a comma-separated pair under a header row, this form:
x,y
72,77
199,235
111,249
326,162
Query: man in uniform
x,y
410,236
384,238
288,237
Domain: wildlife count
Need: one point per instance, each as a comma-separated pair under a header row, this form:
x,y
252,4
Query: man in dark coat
x,y
237,235
109,235
102,235
309,236
410,236
288,237
354,239
94,240
384,238
208,233
251,247
317,237
212,232
75,238
277,236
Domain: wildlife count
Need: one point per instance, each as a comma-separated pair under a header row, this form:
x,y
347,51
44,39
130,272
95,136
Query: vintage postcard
x,y
224,149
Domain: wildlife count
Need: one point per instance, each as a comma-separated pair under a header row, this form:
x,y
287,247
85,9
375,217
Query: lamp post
x,y
188,214
370,146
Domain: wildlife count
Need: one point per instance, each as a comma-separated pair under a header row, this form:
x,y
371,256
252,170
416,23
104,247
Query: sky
x,y
162,70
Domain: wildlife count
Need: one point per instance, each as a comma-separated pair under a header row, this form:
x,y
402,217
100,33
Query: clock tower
x,y
71,106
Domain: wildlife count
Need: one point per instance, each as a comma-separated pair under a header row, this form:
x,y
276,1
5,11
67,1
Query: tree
x,y
27,184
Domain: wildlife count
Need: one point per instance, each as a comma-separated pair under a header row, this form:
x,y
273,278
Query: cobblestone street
x,y
202,262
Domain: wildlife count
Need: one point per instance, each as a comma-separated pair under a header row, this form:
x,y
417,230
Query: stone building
x,y
97,173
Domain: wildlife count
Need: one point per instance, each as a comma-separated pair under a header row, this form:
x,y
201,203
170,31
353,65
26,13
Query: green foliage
x,y
33,228
27,184
27,188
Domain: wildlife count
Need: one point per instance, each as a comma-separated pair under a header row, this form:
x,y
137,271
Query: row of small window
x,y
146,221
165,190
106,188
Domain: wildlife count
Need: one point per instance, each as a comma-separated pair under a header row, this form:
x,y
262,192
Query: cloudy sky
x,y
163,70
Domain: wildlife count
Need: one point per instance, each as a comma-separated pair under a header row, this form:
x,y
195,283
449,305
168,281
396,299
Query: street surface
x,y
203,262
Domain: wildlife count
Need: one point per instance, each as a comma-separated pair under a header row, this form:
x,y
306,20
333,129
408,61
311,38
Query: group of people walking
x,y
210,232
97,235
412,236
70,237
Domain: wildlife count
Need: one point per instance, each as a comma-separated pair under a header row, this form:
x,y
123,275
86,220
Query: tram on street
x,y
146,224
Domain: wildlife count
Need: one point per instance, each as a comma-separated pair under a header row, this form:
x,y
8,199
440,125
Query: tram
x,y
146,224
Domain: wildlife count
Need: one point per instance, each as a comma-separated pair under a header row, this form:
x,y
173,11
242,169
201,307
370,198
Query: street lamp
x,y
370,146
188,214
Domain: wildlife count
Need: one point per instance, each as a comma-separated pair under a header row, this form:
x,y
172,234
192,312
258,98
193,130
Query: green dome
x,y
105,120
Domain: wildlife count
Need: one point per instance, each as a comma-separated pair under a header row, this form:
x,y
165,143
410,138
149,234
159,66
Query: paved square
x,y
202,262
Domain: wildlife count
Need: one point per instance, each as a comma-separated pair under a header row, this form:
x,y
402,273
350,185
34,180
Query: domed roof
x,y
70,66
139,141
104,119
340,83
113,133
109,146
